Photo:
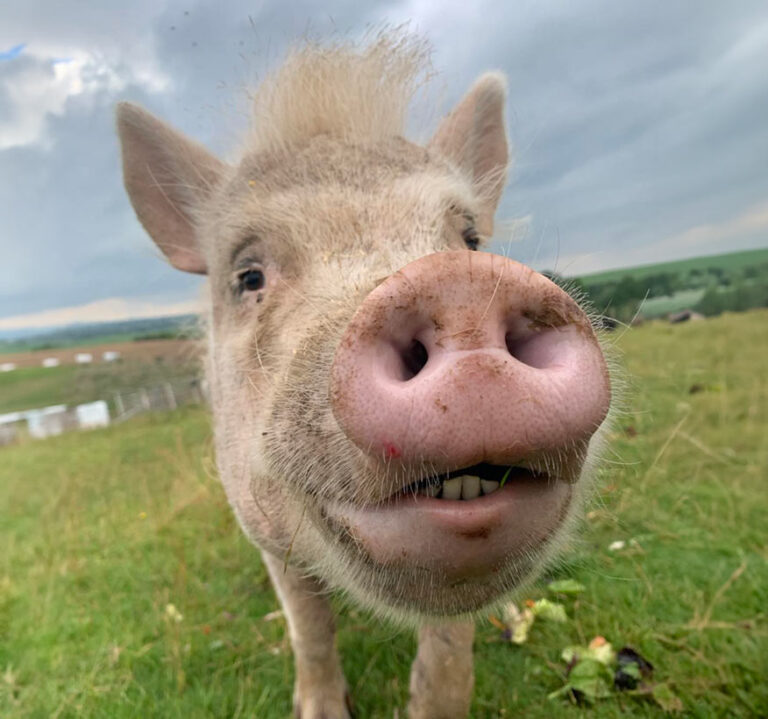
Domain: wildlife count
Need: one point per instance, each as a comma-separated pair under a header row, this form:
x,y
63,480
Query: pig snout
x,y
466,357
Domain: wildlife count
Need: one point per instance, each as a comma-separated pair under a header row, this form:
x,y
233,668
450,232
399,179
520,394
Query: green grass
x,y
102,531
729,262
34,387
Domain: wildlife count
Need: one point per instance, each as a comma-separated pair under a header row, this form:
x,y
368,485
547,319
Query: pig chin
x,y
441,556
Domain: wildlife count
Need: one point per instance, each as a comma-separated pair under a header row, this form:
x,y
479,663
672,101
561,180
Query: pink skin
x,y
513,372
461,539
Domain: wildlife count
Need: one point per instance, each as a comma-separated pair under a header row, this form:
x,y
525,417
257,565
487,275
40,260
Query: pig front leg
x,y
320,690
442,674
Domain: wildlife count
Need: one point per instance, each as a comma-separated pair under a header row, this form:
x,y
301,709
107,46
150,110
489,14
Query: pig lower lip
x,y
456,538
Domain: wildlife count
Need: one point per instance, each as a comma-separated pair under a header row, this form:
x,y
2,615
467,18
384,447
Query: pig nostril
x,y
414,358
535,350
514,344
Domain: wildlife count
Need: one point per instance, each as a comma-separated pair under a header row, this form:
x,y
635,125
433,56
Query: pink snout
x,y
467,357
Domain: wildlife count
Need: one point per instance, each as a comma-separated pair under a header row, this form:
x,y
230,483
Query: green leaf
x,y
603,654
561,692
549,610
570,653
590,678
569,587
505,477
632,669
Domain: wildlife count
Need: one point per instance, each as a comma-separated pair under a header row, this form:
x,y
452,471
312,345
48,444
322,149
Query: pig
x,y
397,416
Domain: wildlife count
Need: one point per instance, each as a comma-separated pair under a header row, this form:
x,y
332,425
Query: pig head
x,y
406,418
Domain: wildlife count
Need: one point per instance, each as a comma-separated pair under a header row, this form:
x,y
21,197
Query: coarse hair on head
x,y
352,91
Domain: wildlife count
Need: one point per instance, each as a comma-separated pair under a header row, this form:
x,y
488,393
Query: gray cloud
x,y
632,123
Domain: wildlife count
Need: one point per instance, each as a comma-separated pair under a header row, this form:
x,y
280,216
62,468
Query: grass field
x,y
166,350
729,261
93,334
660,306
34,387
103,531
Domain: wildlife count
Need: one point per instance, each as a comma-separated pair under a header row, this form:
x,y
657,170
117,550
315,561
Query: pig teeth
x,y
452,488
465,487
470,487
488,486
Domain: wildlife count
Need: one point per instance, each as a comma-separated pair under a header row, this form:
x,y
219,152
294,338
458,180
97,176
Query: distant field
x,y
168,350
102,531
143,363
75,343
659,306
730,261
98,333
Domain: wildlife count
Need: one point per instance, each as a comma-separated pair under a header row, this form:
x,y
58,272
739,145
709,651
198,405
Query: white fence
x,y
165,396
54,420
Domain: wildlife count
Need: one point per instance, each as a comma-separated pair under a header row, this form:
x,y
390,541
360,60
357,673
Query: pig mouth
x,y
465,525
468,483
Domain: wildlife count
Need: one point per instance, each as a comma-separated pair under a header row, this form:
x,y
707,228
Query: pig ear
x,y
474,138
167,176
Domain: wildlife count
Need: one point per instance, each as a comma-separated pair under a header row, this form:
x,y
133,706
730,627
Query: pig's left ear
x,y
474,138
168,178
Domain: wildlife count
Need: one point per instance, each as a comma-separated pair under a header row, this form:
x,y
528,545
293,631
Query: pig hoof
x,y
323,707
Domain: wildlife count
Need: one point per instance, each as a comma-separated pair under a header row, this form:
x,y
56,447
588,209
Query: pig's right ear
x,y
168,176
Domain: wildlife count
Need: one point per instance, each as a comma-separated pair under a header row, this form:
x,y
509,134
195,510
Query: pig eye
x,y
251,280
471,238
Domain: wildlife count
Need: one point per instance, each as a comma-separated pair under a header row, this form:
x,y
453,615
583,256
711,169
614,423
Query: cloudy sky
x,y
640,129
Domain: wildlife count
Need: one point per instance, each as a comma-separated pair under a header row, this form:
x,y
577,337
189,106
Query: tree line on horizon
x,y
722,290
